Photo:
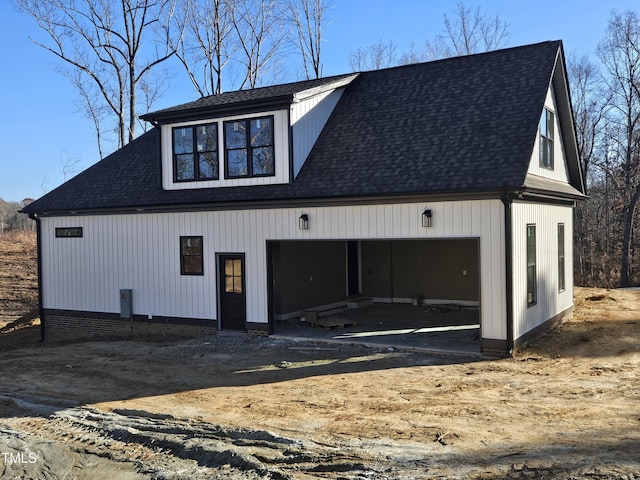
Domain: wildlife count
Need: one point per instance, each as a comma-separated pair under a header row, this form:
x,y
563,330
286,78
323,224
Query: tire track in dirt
x,y
162,446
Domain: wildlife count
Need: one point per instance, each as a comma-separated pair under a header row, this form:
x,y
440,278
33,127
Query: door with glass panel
x,y
232,292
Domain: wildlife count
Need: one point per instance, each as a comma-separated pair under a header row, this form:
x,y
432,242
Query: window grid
x,y
233,275
249,147
547,123
191,256
195,153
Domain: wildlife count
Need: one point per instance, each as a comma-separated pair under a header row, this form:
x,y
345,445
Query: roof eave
x,y
310,92
285,202
567,122
200,113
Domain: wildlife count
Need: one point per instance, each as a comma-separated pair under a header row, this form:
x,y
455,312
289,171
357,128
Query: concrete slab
x,y
401,326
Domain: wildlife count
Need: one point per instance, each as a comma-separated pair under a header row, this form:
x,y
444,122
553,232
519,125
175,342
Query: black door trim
x,y
232,295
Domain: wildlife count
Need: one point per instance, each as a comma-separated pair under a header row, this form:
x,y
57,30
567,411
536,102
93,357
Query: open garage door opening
x,y
410,293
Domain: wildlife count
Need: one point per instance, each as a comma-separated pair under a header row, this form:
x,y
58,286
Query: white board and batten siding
x,y
308,118
559,171
550,301
141,252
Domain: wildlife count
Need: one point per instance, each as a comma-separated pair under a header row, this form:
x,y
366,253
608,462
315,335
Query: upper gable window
x,y
195,153
546,139
249,150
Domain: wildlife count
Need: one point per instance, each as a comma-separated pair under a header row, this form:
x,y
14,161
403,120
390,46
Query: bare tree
x,y
470,31
5,212
90,104
467,32
377,55
260,28
415,56
589,101
151,88
307,16
10,219
208,44
593,253
113,45
619,53
69,165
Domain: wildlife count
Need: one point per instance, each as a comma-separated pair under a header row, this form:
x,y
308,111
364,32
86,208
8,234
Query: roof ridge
x,y
465,56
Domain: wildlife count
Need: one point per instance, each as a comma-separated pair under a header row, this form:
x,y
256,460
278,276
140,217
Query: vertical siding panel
x,y
380,221
396,221
342,224
449,220
166,283
403,220
488,271
142,252
550,302
456,221
164,277
260,265
270,219
102,254
308,118
101,259
349,222
101,249
372,221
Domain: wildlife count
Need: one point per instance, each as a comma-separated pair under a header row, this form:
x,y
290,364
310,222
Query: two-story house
x,y
449,181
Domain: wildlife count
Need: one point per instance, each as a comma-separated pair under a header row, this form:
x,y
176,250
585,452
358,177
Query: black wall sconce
x,y
426,218
303,222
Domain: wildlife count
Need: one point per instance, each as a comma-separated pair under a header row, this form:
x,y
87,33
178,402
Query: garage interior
x,y
421,294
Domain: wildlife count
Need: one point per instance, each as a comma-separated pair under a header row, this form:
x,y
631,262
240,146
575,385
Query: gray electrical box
x,y
126,304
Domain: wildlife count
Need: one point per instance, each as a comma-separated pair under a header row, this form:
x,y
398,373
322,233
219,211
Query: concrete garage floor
x,y
398,325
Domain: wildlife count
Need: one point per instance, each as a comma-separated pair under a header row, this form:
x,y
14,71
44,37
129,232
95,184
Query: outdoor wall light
x,y
426,218
303,222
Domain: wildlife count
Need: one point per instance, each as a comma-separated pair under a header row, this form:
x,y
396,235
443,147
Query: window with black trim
x,y
561,270
248,148
532,281
191,258
68,232
195,153
546,139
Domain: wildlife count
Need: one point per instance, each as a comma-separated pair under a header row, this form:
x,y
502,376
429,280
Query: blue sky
x,y
41,128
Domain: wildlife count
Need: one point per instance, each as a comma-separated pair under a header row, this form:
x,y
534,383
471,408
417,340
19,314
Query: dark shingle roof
x,y
465,124
242,98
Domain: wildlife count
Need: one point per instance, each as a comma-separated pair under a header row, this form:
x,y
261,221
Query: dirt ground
x,y
238,407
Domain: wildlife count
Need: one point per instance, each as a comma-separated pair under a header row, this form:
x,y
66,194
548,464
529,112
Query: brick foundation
x,y
62,327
